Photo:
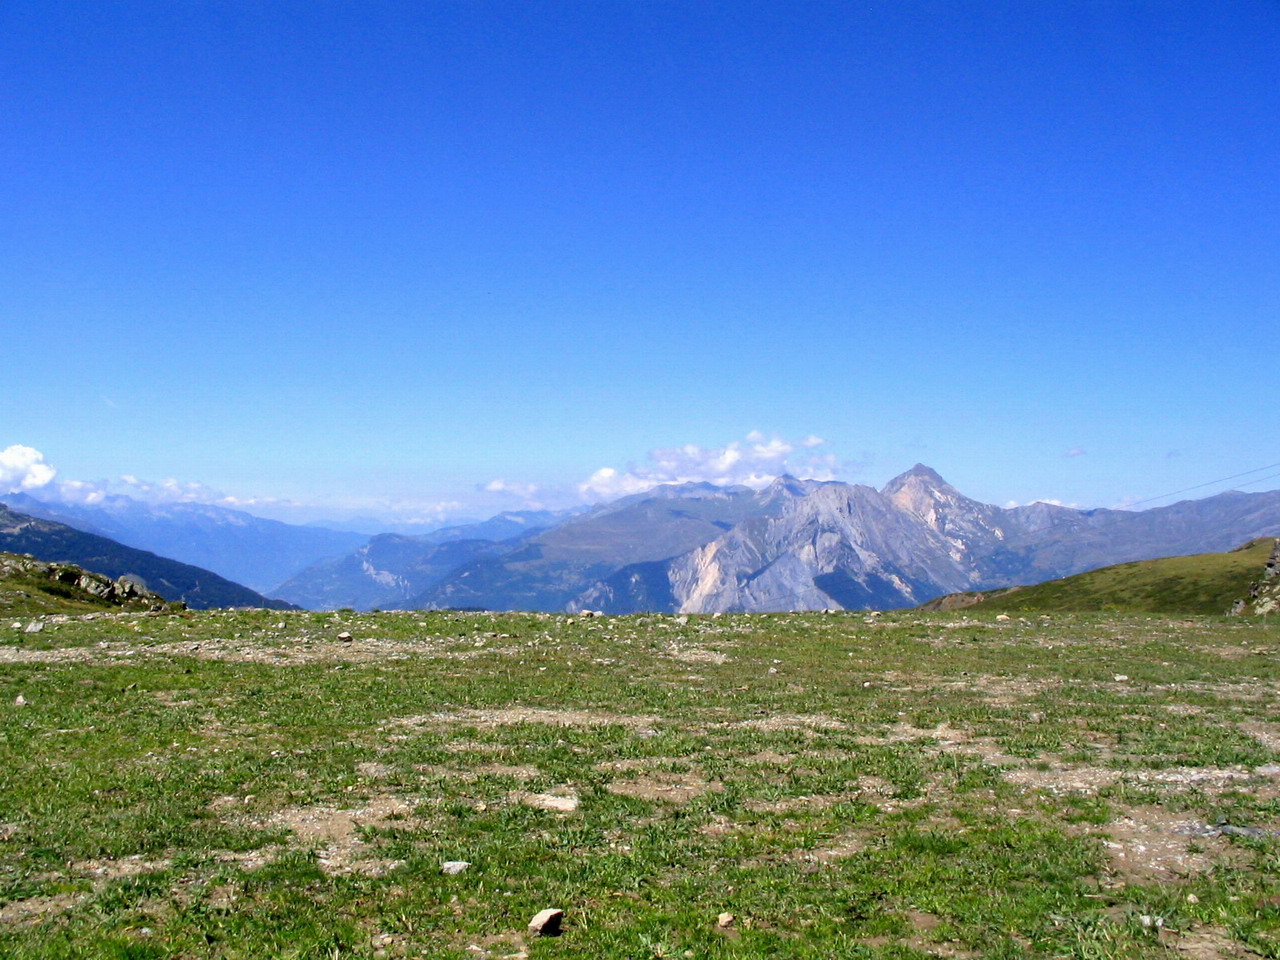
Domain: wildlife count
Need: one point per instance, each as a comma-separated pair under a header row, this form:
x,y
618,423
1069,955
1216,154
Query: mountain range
x,y
246,549
691,547
794,545
49,541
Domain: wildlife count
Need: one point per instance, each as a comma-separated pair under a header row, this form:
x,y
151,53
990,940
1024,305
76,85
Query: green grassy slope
x,y
1205,583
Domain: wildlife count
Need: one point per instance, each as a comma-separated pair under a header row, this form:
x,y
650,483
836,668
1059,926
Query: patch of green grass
x,y
244,784
1207,583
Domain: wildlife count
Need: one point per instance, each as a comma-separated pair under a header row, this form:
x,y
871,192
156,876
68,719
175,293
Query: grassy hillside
x,y
1206,583
798,787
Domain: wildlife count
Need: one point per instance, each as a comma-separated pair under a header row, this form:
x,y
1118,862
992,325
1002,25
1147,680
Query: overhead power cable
x,y
1209,483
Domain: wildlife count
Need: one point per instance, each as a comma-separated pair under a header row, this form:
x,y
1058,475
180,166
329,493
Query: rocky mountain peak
x,y
918,476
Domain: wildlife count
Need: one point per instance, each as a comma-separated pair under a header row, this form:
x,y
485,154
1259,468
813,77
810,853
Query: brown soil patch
x,y
336,832
1208,944
37,909
837,848
1153,844
1064,779
116,869
1206,779
791,804
793,721
473,773
250,859
665,787
720,826
510,716
697,655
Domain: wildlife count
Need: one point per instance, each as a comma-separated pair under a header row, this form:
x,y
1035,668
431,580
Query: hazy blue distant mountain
x,y
386,573
391,571
56,542
503,526
250,550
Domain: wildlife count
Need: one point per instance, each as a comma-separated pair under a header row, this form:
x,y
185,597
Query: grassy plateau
x,y
250,784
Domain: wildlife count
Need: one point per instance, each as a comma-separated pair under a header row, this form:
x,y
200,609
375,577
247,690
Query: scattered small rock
x,y
1003,617
451,868
19,701
345,637
1121,678
35,626
546,923
725,921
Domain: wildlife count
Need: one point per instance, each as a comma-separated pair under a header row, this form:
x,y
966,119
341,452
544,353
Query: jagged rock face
x,y
1264,595
834,545
837,546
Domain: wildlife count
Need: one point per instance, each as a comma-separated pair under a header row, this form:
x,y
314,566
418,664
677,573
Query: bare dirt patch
x,y
839,847
1153,844
106,870
1064,779
336,832
697,655
665,787
1208,944
818,801
473,773
38,909
488,719
792,721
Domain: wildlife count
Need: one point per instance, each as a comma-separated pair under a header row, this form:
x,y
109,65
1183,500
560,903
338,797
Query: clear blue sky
x,y
345,252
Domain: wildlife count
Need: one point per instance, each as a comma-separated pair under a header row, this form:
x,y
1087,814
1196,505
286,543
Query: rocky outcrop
x,y
1264,594
84,585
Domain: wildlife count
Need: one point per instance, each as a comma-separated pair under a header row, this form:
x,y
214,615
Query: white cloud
x,y
169,490
523,490
23,468
1075,452
81,491
754,461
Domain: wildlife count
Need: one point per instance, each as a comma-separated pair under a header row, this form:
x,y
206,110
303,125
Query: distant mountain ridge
x,y
794,545
243,548
50,541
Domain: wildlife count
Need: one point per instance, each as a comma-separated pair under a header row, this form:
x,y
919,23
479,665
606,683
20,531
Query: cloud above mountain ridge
x,y
754,461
